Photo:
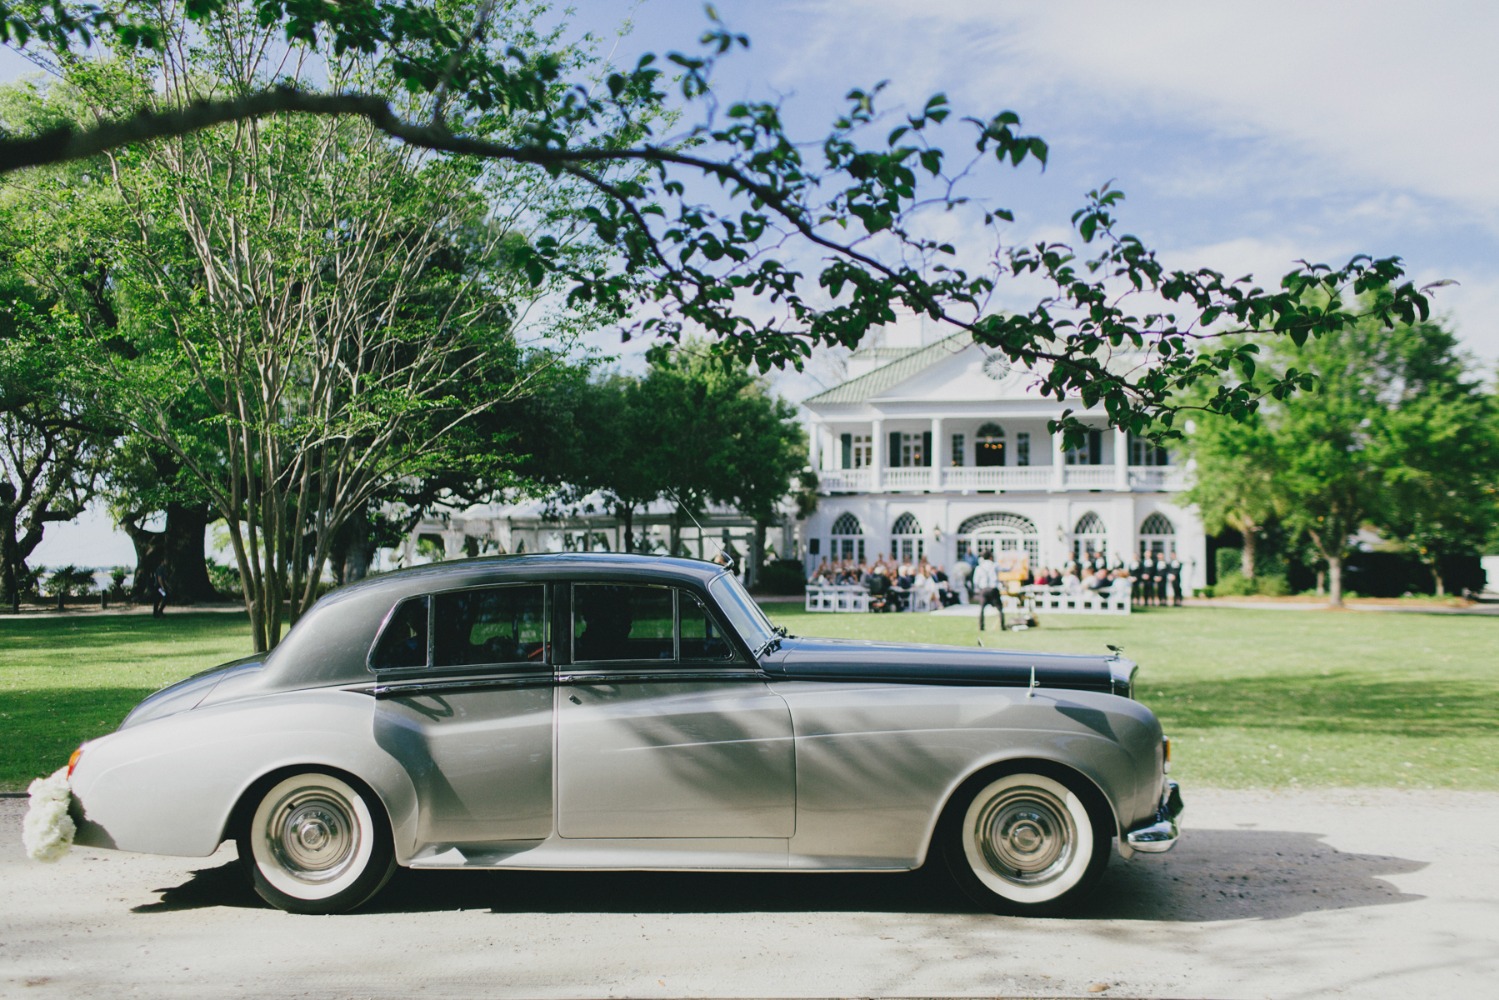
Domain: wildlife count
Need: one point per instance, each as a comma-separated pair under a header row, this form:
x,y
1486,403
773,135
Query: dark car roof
x,y
540,566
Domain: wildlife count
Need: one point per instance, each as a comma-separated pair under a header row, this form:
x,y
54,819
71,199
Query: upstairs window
x,y
989,446
1090,452
1143,451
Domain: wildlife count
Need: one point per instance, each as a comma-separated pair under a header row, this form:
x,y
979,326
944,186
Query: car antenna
x,y
728,560
1030,692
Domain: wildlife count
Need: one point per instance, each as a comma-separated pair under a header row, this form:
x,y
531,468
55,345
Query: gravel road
x,y
1347,893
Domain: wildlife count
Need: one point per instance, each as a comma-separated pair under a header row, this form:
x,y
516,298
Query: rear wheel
x,y
1025,843
316,844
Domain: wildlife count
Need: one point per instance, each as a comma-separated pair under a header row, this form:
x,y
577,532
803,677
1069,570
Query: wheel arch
x,y
1087,786
240,814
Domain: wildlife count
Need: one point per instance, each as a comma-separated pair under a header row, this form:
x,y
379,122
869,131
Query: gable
x,y
950,370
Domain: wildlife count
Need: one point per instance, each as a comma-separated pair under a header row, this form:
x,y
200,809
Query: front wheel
x,y
315,845
1025,844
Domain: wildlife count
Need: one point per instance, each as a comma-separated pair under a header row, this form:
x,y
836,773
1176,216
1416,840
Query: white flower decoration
x,y
48,829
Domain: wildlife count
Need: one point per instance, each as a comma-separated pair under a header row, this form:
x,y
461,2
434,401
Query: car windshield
x,y
741,610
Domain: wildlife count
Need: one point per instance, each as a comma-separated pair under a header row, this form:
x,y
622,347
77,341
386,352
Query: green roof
x,y
909,362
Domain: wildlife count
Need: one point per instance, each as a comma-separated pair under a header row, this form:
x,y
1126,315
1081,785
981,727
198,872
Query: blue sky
x,y
1246,136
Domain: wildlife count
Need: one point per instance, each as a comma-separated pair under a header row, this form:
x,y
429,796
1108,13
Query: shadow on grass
x,y
1213,875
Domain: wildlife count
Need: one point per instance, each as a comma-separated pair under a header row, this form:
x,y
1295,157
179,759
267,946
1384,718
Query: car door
x,y
465,702
665,729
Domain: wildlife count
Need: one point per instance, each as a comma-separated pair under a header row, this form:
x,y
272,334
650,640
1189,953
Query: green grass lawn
x,y
1251,698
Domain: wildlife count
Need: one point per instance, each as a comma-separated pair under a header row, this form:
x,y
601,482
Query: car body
x,y
609,711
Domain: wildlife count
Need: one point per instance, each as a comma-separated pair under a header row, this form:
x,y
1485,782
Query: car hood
x,y
909,663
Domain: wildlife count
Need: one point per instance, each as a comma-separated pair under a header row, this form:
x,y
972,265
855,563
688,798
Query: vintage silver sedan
x,y
626,712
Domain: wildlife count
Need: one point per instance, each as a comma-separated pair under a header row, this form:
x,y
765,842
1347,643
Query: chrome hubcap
x,y
1025,835
312,834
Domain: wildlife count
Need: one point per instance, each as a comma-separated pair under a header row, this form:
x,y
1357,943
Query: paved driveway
x,y
1377,894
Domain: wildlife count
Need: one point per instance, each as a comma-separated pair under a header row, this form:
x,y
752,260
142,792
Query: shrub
x,y
1233,584
783,576
1236,584
1272,585
1228,562
225,579
66,581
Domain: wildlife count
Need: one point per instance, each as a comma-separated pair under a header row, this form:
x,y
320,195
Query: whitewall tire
x,y
1025,843
316,844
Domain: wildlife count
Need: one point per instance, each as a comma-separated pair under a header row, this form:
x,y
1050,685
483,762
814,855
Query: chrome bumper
x,y
1162,833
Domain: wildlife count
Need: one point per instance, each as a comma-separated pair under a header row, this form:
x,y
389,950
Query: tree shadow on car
x,y
1211,875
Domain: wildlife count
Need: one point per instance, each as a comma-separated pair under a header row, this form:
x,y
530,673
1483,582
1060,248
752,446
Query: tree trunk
x,y
757,556
1335,581
179,549
352,550
1436,577
1246,554
626,514
10,551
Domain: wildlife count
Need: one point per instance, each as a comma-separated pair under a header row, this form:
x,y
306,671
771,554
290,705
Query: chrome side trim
x,y
1161,835
433,685
657,676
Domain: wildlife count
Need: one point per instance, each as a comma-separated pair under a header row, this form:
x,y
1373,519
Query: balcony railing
x,y
1157,477
1033,477
1089,477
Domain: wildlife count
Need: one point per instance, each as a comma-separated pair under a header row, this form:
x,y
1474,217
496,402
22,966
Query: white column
x,y
1058,462
937,452
877,473
814,445
453,543
1121,459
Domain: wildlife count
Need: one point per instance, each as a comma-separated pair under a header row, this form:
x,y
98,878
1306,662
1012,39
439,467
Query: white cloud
x,y
1393,94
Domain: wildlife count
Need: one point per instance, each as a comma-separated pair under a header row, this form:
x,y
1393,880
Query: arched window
x,y
907,541
1089,535
989,445
848,539
1000,532
1157,536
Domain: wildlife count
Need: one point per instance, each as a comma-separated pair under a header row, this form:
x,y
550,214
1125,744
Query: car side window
x,y
701,638
403,642
619,622
490,625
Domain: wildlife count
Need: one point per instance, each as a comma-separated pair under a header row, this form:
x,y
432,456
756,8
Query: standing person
x,y
986,587
159,592
973,564
1158,575
1174,575
961,571
1140,589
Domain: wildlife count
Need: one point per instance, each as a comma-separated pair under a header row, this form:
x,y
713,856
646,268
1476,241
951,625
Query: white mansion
x,y
938,449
